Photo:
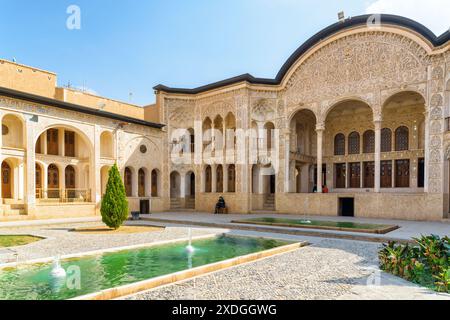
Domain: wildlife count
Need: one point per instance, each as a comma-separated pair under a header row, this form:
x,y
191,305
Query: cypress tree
x,y
114,207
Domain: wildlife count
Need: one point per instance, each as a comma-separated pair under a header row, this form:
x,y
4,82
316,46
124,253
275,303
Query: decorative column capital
x,y
320,127
377,119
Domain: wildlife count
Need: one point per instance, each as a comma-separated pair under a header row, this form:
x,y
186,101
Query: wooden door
x,y
128,182
219,180
421,173
6,181
192,191
38,173
141,183
70,182
386,174
70,177
272,184
402,173
231,178
53,181
340,175
369,174
355,175
154,183
52,142
69,143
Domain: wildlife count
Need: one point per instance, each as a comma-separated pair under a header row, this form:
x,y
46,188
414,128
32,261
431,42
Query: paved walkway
x,y
407,230
29,223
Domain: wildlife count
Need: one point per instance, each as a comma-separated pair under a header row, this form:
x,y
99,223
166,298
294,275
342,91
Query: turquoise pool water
x,y
108,270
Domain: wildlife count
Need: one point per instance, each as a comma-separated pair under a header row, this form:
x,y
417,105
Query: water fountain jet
x,y
57,270
190,248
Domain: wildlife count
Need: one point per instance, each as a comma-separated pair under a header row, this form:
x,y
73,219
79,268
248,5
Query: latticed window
x,y
231,178
369,141
141,183
128,182
401,139
386,140
339,145
154,183
353,143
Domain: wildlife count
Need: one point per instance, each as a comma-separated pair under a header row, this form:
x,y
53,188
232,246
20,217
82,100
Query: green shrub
x,y
426,263
114,207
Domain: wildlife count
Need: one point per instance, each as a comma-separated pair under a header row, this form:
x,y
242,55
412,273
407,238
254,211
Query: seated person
x,y
314,189
325,189
220,205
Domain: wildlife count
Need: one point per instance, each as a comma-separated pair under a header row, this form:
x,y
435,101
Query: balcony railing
x,y
63,195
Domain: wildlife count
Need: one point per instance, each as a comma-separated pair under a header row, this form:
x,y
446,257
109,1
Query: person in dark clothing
x,y
220,205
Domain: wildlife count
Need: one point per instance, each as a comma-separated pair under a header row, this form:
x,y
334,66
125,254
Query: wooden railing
x,y
63,195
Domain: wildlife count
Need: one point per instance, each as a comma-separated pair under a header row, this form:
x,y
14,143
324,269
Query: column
x,y
45,181
182,186
30,162
320,128
377,123
426,148
61,142
361,174
22,187
95,180
134,183
225,178
62,182
44,143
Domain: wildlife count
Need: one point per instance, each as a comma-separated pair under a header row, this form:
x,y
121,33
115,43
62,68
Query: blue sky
x,y
130,46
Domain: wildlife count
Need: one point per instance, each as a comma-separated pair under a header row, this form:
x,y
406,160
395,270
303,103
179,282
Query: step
x,y
17,206
14,212
13,201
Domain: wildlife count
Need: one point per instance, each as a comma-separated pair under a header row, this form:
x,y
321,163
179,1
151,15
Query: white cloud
x,y
434,14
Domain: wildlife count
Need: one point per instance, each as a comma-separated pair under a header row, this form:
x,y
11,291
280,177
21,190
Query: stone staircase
x,y
175,204
269,203
190,203
11,208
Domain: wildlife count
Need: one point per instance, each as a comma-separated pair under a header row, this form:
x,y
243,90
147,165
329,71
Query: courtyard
x,y
328,268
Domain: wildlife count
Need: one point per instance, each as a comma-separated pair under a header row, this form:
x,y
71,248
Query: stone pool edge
x,y
152,283
386,229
